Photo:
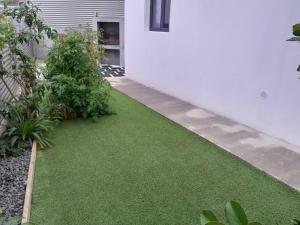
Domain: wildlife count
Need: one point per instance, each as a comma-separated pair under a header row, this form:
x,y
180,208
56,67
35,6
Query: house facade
x,y
230,57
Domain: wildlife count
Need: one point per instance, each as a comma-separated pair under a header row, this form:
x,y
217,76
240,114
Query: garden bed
x,y
13,179
71,88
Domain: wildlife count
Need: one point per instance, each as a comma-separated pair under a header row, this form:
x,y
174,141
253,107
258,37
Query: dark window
x,y
111,32
160,15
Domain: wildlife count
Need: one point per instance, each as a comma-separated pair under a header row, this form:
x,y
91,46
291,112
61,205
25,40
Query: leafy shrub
x,y
46,103
72,70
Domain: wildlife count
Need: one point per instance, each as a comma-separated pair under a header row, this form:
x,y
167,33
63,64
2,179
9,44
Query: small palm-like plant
x,y
23,125
30,130
234,214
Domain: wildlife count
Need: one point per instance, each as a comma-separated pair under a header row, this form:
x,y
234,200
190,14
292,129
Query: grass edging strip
x,y
29,185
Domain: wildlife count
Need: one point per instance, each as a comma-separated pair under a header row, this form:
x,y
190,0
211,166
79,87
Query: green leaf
x,y
11,131
207,216
235,215
296,30
255,223
14,140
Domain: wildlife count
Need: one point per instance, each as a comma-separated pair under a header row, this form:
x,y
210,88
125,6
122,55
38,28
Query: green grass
x,y
138,168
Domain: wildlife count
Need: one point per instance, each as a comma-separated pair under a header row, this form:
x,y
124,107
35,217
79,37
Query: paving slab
x,y
269,154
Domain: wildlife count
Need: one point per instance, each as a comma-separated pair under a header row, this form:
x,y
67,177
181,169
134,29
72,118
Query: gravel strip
x,y
13,177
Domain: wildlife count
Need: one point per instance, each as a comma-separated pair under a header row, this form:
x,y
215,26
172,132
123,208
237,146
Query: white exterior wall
x,y
229,56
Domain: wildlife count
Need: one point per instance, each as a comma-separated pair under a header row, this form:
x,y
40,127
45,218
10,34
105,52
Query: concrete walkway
x,y
273,156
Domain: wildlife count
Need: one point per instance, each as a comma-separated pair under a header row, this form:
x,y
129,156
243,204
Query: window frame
x,y
162,27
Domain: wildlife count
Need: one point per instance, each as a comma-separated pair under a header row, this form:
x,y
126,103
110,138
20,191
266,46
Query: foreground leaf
x,y
207,216
235,214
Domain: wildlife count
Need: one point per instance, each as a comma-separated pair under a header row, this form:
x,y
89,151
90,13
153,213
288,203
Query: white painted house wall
x,y
229,56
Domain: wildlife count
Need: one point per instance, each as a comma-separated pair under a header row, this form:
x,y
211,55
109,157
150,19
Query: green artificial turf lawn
x,y
139,168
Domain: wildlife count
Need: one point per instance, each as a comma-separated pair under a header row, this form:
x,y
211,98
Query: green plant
x,y
15,111
98,98
29,130
23,69
19,137
23,127
73,76
234,214
46,103
7,149
24,121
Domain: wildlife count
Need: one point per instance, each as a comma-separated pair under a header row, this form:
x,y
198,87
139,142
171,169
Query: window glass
x,y
167,13
160,15
156,13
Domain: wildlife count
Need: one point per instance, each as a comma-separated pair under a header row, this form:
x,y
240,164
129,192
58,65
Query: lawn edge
x,y
29,185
